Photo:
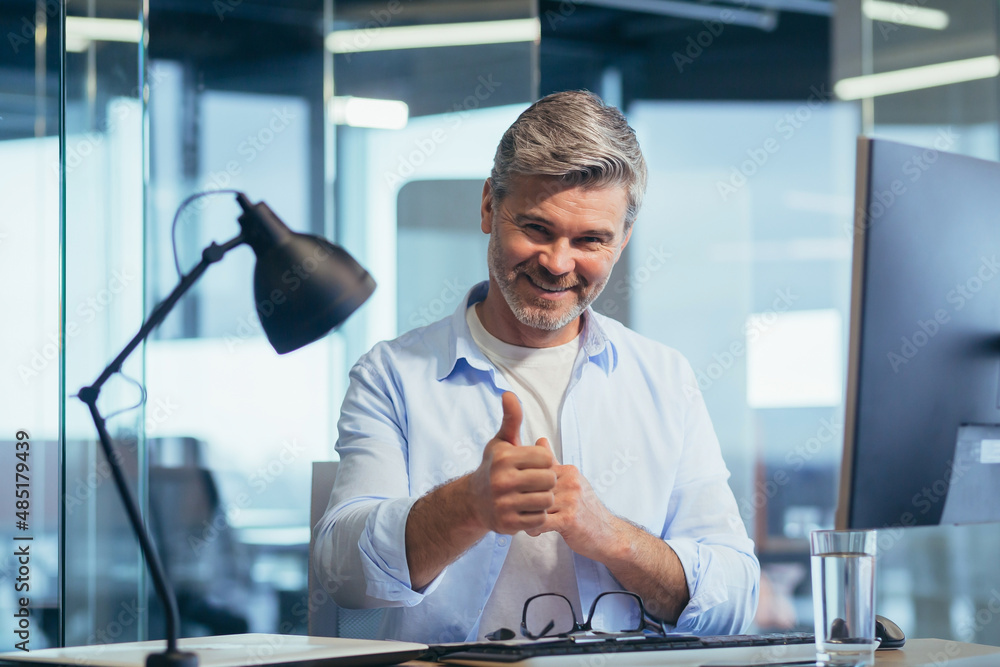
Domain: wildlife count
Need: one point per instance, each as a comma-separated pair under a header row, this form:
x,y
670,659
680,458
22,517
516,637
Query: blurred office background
x,y
740,259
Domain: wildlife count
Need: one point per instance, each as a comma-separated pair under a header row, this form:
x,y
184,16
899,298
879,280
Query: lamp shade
x,y
304,286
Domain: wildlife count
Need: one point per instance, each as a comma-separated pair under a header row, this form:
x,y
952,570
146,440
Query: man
x,y
528,445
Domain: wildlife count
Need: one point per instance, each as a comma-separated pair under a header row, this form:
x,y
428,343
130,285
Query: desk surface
x,y
937,652
916,653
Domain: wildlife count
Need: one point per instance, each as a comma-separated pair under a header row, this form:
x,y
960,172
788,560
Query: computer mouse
x,y
889,634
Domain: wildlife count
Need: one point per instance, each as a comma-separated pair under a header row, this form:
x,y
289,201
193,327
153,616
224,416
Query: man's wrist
x,y
617,548
469,520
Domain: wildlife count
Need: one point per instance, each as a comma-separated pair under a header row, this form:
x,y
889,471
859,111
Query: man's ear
x,y
486,208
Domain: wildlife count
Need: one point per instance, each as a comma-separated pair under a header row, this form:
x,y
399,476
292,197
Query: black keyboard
x,y
789,648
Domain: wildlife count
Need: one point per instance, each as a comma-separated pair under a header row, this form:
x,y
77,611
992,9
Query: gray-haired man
x,y
528,445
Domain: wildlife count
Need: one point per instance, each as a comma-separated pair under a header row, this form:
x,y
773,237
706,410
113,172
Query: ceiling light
x,y
365,112
766,20
427,36
905,14
82,30
917,78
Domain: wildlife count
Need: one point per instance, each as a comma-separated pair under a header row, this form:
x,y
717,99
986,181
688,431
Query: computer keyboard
x,y
624,651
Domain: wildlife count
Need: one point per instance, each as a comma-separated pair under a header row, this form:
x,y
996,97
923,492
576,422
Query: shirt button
x,y
502,541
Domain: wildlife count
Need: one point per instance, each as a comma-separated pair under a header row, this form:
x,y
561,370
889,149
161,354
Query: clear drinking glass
x,y
843,591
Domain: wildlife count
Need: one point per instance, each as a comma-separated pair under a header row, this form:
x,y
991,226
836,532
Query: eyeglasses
x,y
552,615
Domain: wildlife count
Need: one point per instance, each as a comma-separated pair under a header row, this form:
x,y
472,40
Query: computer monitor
x,y
922,422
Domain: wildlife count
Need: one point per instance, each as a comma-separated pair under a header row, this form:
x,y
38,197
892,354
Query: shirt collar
x,y
597,345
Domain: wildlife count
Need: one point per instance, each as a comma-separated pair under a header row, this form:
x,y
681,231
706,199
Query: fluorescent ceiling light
x,y
767,20
426,36
76,44
916,78
365,112
905,14
82,30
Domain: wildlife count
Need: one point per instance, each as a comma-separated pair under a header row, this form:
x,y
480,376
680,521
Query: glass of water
x,y
843,592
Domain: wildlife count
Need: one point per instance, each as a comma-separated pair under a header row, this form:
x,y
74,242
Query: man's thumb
x,y
510,426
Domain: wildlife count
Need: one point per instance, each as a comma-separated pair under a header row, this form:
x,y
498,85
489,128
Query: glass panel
x,y
392,182
31,333
742,245
933,581
237,98
104,234
407,195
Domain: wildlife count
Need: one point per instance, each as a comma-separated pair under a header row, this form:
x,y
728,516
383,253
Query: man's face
x,y
552,247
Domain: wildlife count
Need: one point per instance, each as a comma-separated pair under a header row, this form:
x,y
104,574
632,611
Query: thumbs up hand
x,y
513,486
588,527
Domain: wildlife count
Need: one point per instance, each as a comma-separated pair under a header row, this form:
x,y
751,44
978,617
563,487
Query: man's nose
x,y
557,258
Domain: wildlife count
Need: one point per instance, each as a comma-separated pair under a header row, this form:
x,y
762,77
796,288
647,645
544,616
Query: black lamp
x,y
304,286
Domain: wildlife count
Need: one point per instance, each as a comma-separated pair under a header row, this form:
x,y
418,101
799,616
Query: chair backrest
x,y
207,567
326,619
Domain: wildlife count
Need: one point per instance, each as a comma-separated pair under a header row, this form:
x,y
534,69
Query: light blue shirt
x,y
419,411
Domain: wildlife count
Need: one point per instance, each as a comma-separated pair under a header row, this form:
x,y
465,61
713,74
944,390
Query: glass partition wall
x,y
31,332
933,581
739,256
150,103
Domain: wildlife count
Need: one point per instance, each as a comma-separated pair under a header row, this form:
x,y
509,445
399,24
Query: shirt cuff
x,y
383,555
705,593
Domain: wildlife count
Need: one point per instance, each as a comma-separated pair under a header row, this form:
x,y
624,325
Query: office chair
x,y
209,573
326,619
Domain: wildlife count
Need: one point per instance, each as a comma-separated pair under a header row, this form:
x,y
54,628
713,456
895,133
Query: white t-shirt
x,y
543,564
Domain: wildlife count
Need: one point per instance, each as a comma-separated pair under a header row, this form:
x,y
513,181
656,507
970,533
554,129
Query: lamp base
x,y
172,659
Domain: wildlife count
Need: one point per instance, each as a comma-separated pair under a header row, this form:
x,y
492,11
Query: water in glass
x,y
844,607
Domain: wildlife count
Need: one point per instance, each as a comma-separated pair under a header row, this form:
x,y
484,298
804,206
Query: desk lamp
x,y
304,286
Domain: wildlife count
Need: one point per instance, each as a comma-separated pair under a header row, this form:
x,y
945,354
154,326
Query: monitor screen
x,y
922,422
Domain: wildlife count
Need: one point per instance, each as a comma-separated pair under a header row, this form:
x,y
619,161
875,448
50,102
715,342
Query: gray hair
x,y
576,137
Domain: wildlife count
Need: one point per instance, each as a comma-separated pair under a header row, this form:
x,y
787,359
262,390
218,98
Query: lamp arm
x,y
89,395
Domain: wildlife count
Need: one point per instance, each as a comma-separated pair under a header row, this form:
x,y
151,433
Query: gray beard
x,y
530,315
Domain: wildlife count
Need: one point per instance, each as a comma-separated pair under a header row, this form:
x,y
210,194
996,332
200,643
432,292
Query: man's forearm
x,y
646,565
441,527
